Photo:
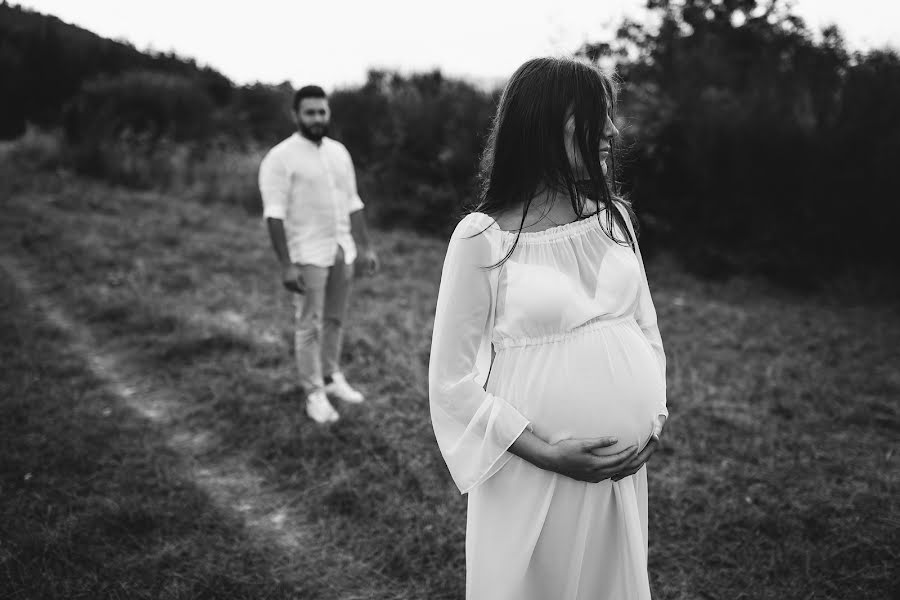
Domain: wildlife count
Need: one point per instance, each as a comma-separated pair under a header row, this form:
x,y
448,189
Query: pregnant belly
x,y
604,382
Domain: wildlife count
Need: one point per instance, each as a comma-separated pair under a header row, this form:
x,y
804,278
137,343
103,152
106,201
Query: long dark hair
x,y
526,146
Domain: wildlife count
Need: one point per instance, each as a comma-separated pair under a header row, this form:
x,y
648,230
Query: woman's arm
x,y
473,427
645,315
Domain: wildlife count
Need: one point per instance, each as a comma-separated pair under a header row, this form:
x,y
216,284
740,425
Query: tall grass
x,y
36,149
210,172
777,479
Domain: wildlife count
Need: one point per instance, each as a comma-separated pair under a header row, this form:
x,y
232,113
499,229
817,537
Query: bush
x,y
227,174
416,141
259,113
132,128
36,149
755,147
145,103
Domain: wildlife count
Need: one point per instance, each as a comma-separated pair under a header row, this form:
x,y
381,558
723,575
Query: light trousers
x,y
318,320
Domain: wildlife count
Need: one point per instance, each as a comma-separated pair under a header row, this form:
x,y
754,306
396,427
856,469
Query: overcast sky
x,y
333,42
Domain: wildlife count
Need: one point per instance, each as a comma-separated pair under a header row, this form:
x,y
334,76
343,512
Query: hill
x,y
44,61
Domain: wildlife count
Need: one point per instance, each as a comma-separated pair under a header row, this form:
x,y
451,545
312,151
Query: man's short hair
x,y
308,91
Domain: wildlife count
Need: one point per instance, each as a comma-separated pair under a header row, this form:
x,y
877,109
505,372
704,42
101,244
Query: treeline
x,y
749,144
54,72
757,146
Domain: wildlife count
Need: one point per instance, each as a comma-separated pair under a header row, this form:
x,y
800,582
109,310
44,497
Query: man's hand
x,y
367,261
292,279
575,458
641,458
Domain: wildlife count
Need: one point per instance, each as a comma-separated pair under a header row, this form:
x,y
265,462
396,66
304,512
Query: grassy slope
x,y
93,503
778,479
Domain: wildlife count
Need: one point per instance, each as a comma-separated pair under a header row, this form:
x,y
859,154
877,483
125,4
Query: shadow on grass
x,y
93,504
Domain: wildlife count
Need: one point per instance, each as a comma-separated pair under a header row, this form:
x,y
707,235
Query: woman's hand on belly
x,y
575,458
640,459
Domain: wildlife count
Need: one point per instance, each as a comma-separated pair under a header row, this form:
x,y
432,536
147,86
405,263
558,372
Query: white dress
x,y
578,354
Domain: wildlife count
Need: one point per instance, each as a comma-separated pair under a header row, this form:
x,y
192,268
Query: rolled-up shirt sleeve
x,y
274,186
474,428
355,203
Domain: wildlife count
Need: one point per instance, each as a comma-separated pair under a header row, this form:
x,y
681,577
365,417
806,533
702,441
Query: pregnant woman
x,y
547,372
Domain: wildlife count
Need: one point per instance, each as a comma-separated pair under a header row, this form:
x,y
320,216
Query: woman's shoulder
x,y
622,205
626,210
476,224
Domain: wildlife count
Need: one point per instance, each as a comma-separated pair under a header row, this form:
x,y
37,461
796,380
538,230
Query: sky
x,y
334,42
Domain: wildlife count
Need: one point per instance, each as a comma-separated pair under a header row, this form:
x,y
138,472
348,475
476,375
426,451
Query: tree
x,y
742,122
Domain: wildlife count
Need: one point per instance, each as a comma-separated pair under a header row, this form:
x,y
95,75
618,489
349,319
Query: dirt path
x,y
275,519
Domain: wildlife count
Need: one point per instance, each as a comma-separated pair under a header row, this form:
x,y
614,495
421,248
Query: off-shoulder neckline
x,y
551,233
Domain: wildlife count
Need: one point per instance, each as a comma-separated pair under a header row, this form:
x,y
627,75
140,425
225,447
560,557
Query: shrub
x,y
416,140
36,149
128,128
756,147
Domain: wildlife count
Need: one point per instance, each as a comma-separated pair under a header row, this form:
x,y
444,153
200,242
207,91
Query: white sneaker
x,y
319,408
340,389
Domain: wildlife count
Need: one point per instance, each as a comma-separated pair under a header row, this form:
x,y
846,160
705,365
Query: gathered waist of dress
x,y
592,325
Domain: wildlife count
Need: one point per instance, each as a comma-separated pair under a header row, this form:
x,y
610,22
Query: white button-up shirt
x,y
312,188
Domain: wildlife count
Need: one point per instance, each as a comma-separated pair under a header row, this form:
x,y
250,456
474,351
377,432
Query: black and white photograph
x,y
474,300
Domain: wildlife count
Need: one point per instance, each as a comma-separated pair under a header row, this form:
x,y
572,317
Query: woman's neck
x,y
557,203
547,209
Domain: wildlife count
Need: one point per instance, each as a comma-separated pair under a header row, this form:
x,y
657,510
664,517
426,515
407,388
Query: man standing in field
x,y
316,224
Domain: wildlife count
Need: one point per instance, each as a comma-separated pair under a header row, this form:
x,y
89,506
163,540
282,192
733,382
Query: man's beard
x,y
314,133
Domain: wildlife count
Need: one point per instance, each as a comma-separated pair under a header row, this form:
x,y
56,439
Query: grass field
x,y
153,445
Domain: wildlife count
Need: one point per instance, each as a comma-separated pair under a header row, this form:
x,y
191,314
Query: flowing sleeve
x,y
474,429
645,314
